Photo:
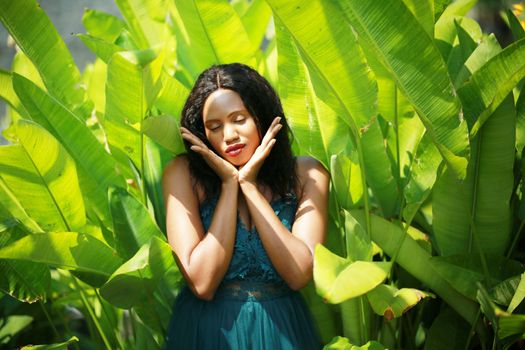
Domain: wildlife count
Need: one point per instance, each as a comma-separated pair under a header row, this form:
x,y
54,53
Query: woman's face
x,y
229,127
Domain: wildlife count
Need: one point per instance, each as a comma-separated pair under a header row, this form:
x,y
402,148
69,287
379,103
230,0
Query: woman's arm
x,y
292,253
203,258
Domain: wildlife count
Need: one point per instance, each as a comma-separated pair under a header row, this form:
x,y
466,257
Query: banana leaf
x,y
26,281
473,215
41,42
346,178
7,93
67,250
46,184
390,302
490,85
416,261
337,279
95,166
418,70
133,224
102,25
14,209
145,20
209,32
333,53
139,274
316,126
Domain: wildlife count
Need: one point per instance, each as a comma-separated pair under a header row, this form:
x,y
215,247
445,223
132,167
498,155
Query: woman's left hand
x,y
249,171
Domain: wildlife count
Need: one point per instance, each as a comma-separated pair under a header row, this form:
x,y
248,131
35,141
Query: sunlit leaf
x,y
338,279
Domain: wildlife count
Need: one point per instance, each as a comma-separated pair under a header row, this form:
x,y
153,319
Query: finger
x,y
193,139
272,131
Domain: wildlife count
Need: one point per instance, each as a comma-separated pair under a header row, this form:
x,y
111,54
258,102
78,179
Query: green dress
x,y
253,308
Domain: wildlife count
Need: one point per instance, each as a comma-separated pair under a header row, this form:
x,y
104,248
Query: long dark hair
x,y
278,171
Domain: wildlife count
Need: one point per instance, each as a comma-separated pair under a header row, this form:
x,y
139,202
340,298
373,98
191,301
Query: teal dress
x,y
253,308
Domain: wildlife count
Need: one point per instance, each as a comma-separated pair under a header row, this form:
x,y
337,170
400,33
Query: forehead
x,y
221,103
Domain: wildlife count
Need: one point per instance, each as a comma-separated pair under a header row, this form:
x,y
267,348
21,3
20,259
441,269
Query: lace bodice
x,y
250,262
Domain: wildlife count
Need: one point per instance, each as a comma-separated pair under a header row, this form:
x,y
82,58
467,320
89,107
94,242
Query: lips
x,y
235,150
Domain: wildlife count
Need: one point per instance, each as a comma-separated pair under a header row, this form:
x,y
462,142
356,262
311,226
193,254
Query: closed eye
x,y
214,127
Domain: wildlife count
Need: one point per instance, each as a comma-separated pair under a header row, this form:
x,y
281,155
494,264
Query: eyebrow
x,y
212,119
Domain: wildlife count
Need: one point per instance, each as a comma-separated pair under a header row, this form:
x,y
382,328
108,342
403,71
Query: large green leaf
x,y
491,84
317,128
171,97
67,250
358,244
156,159
145,20
392,33
346,179
474,213
164,130
140,274
133,82
95,166
101,48
210,32
465,271
102,25
337,279
12,205
133,224
487,48
520,124
448,332
379,170
7,93
255,19
423,172
11,325
390,302
46,184
519,294
416,261
26,281
41,42
332,52
423,11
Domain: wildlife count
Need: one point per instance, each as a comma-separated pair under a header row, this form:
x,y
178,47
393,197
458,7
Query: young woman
x,y
243,218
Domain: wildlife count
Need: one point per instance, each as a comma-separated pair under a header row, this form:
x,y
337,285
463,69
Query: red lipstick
x,y
235,150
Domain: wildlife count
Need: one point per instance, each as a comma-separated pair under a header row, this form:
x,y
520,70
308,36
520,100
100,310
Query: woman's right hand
x,y
224,169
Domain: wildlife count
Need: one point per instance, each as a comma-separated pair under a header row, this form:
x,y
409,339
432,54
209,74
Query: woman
x,y
243,218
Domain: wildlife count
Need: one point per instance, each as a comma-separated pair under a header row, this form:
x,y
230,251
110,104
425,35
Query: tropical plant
x,y
417,114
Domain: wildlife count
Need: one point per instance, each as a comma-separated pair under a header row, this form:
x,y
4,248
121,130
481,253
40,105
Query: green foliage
x,y
419,116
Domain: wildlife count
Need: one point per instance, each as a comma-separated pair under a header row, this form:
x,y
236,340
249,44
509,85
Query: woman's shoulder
x,y
177,173
306,165
309,172
178,166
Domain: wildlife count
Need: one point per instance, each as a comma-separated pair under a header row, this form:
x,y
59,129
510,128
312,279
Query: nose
x,y
230,133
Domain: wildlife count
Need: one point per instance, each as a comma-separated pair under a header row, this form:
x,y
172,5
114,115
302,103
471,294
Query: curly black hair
x,y
278,171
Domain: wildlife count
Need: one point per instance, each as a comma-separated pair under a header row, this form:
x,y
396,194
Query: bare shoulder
x,y
177,178
311,173
177,167
308,166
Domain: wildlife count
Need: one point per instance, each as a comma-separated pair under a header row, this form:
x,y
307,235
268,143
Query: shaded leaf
x,y
390,302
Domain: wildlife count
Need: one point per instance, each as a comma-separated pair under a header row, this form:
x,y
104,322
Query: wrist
x,y
247,186
231,183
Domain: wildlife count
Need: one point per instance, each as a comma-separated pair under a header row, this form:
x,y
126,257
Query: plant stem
x,y
110,321
515,240
57,335
92,314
